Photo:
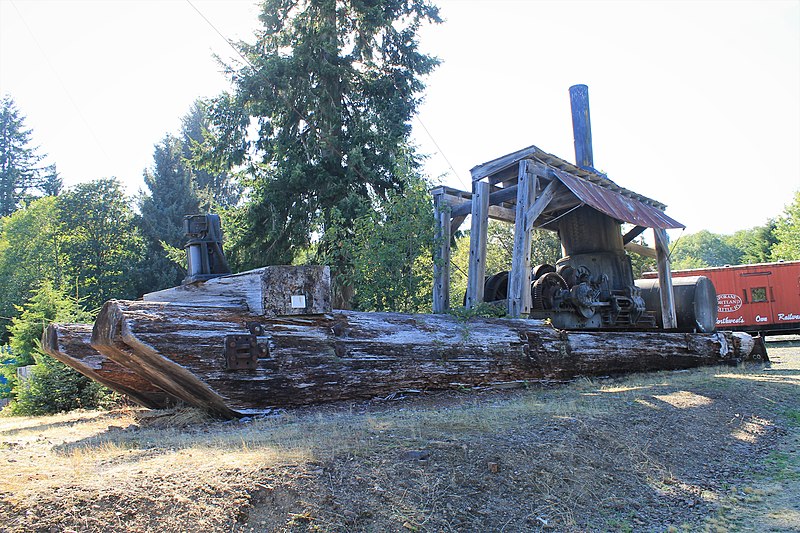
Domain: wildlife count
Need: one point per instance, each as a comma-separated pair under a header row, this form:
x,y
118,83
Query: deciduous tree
x,y
787,232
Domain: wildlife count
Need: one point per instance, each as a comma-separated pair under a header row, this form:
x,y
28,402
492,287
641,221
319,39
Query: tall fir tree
x,y
171,195
18,159
216,186
331,86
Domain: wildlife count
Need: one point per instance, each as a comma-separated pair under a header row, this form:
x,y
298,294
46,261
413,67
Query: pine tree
x,y
18,160
331,86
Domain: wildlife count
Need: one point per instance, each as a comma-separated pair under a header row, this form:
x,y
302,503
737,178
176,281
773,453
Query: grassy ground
x,y
710,449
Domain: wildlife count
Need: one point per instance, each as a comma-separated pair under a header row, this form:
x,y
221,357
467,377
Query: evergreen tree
x,y
18,160
50,183
215,185
51,387
172,195
331,87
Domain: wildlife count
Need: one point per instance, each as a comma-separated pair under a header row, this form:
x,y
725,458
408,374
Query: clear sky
x,y
695,104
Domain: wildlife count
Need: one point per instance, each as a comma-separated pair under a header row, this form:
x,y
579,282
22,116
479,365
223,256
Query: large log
x,y
70,344
271,290
349,355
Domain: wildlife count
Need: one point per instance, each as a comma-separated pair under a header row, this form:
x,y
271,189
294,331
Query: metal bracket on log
x,y
242,350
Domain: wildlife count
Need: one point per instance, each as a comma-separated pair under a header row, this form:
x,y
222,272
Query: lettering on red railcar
x,y
728,303
729,320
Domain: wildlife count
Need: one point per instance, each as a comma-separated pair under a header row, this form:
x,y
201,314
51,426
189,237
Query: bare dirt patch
x,y
712,449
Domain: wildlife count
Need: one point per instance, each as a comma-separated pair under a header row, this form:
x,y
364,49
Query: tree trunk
x,y
349,355
69,343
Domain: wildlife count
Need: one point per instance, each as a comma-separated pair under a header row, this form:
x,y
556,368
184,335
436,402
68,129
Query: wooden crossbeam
x,y
632,234
541,204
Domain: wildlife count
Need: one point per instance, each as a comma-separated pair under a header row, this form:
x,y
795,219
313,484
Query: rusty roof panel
x,y
617,205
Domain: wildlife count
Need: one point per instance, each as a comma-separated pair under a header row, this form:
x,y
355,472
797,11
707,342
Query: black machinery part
x,y
545,290
695,302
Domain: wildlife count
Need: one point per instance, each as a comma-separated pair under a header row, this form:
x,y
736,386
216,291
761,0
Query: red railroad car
x,y
762,298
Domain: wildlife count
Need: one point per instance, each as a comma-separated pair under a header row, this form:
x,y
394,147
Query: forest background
x,y
308,160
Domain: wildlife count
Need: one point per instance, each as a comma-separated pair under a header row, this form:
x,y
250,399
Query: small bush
x,y
53,388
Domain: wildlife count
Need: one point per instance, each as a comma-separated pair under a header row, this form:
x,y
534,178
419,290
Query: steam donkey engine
x,y
592,286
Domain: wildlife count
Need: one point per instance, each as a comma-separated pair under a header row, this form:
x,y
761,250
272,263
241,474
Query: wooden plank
x,y
70,344
541,204
477,243
665,279
646,251
441,263
519,279
349,355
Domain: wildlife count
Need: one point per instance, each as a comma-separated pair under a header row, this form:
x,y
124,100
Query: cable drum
x,y
695,302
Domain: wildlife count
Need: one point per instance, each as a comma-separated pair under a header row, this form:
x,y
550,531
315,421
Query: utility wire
x,y
61,82
441,152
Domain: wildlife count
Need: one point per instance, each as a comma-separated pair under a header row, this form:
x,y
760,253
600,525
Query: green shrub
x,y
52,387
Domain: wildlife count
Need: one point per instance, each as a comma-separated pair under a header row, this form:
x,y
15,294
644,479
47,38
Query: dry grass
x,y
710,448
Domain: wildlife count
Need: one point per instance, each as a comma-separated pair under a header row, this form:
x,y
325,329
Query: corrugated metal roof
x,y
615,204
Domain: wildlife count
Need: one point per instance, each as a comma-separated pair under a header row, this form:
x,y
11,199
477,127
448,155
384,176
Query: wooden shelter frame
x,y
532,189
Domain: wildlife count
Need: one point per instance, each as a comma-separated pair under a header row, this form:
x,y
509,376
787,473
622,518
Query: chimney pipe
x,y
581,125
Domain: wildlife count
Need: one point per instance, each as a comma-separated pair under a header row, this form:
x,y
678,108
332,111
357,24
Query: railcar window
x,y
758,294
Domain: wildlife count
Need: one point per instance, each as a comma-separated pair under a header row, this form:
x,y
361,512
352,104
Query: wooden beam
x,y
495,199
632,234
665,279
519,279
456,223
541,204
641,250
477,243
441,263
461,207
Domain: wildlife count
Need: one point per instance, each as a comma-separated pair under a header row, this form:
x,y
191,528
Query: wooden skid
x,y
350,355
70,344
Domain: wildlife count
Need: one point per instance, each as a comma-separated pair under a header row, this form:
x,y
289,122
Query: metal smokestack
x,y
581,125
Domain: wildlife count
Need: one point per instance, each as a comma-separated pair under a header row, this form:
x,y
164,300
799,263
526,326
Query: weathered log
x,y
273,290
69,343
349,355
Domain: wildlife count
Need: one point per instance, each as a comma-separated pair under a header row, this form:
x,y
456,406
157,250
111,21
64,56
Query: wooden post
x,y
477,243
441,263
519,280
665,279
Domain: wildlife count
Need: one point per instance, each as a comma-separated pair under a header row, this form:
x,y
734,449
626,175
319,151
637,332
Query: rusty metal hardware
x,y
242,350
